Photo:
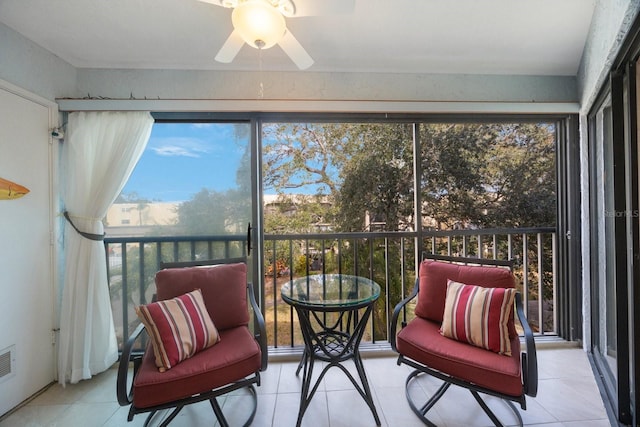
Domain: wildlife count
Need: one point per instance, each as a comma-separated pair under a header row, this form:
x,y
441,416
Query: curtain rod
x,y
316,106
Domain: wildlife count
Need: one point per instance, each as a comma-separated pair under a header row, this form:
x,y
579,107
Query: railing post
x,y
540,284
339,256
495,246
141,283
371,246
464,246
525,273
125,292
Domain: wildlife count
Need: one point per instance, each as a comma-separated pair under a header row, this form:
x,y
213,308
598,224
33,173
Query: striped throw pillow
x,y
179,328
478,316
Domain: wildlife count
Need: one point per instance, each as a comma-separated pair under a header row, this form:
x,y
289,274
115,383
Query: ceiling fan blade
x,y
322,7
230,48
296,52
216,2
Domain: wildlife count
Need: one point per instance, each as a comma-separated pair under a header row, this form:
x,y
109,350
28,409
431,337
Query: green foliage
x,y
212,212
488,175
377,184
297,214
299,155
301,265
360,177
474,175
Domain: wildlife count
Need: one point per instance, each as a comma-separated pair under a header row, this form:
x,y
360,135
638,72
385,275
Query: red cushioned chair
x,y
422,346
233,363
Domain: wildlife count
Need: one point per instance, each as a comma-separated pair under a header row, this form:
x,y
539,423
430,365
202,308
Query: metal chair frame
x,y
528,359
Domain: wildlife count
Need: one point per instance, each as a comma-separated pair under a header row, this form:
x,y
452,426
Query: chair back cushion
x,y
434,276
224,290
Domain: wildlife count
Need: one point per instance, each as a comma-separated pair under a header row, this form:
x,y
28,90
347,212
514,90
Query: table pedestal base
x,y
330,344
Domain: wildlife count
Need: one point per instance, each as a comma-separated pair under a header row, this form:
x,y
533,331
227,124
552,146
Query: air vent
x,y
7,363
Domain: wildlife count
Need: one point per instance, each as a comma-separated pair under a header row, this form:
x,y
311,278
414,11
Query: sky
x,y
183,158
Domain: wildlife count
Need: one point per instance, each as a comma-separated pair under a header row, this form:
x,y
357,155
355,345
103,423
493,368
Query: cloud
x,y
169,150
179,147
202,125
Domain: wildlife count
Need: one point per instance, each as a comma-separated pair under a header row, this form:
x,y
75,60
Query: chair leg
x,y
218,411
421,412
167,420
490,413
220,415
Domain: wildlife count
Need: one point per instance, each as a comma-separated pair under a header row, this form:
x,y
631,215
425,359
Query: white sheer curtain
x,y
98,156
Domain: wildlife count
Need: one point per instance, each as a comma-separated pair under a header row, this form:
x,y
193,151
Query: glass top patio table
x,y
330,292
333,311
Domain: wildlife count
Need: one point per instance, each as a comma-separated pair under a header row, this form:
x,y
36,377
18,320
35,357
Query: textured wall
x,y
31,67
167,84
609,25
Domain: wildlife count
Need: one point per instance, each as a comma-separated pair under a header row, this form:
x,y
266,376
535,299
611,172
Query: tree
x,y
132,197
474,175
299,213
525,167
212,212
377,180
361,168
306,155
488,175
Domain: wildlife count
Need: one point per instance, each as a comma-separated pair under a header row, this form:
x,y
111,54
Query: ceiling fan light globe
x,y
259,24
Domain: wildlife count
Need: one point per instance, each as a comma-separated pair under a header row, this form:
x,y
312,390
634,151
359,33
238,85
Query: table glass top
x,y
330,290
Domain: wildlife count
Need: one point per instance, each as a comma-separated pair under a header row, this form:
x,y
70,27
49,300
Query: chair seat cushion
x,y
235,357
421,341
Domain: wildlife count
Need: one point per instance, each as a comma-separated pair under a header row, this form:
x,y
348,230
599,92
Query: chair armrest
x,y
396,313
125,397
529,358
261,333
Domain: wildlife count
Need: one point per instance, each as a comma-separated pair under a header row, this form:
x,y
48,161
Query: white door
x,y
26,253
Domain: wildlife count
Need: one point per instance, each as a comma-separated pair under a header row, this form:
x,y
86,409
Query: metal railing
x,y
132,263
389,258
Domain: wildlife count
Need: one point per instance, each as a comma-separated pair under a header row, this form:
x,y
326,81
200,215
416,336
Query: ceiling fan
x,y
261,24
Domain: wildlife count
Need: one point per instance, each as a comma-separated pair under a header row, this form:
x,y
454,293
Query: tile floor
x,y
567,396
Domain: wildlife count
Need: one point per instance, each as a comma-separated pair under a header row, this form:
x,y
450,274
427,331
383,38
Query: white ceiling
x,y
528,37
